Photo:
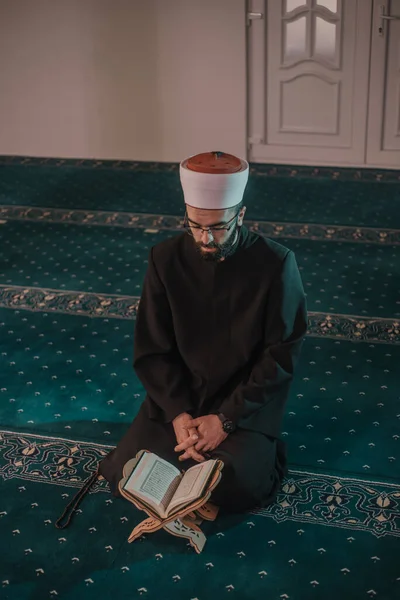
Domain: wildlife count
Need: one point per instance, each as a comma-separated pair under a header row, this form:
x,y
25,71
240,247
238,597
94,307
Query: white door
x,y
383,143
308,81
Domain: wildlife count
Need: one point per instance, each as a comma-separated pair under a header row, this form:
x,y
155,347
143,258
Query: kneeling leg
x,y
253,471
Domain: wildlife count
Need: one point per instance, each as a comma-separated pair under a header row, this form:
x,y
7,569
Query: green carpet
x,y
338,277
70,280
75,379
333,199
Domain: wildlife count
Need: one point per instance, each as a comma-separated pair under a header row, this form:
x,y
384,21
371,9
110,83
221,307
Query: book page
x,y
152,478
192,484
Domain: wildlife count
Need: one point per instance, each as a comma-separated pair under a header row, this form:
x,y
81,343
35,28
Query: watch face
x,y
228,426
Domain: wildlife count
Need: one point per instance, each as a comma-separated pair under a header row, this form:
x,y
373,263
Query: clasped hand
x,y
195,436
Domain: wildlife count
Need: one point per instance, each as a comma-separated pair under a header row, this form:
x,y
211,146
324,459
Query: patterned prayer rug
x,y
75,237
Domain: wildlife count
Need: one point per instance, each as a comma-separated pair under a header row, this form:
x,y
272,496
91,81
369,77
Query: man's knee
x,y
240,489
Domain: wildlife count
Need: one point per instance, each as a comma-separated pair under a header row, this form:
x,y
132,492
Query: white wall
x,y
152,80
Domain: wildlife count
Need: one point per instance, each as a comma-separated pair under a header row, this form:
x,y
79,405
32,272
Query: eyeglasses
x,y
189,226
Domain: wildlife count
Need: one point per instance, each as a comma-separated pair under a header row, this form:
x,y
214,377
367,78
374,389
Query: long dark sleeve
x,y
258,401
157,361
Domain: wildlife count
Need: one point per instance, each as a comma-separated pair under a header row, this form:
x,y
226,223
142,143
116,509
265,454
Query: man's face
x,y
214,244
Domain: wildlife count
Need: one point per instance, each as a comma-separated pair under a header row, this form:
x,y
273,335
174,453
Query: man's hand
x,y
211,434
187,434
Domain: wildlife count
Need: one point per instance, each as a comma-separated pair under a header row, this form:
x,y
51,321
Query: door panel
x,y
383,140
312,57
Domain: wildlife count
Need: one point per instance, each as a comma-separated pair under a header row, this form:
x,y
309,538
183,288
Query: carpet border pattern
x,y
69,302
263,169
96,305
316,498
155,223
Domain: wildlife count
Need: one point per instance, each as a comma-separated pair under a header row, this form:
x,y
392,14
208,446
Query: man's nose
x,y
206,237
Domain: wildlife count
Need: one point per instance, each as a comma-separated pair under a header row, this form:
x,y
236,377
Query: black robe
x,y
224,337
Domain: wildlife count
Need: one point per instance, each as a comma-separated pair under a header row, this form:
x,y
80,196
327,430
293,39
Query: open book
x,y
162,488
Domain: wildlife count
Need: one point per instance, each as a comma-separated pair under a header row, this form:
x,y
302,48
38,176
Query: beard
x,y
221,250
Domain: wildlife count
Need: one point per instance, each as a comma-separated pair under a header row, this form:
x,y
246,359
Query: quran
x,y
164,491
174,501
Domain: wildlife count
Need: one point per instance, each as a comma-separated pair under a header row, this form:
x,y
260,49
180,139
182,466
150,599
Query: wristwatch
x,y
227,425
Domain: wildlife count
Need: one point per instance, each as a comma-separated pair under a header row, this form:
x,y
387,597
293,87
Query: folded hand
x,y
211,434
187,435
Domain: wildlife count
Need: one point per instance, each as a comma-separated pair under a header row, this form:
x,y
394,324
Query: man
x,y
218,332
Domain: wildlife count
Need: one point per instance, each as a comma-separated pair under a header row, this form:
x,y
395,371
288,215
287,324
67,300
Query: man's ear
x,y
241,215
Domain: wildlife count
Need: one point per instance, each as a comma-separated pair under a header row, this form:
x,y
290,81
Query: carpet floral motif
x,y
318,498
90,304
312,231
348,503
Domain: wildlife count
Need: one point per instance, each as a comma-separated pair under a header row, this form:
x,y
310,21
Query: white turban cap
x,y
213,180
